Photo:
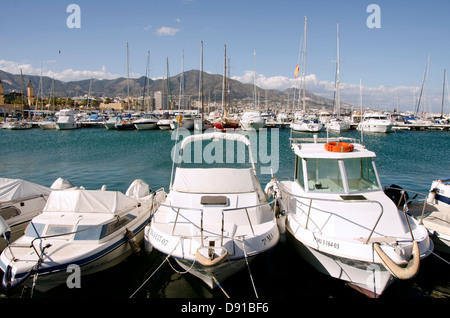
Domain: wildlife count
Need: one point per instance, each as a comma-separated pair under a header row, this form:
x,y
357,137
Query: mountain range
x,y
118,88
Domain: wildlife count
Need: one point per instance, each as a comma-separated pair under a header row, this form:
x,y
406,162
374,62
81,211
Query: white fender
x,y
399,272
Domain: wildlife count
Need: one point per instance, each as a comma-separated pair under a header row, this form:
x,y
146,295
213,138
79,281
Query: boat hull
x,y
213,274
101,259
66,126
368,278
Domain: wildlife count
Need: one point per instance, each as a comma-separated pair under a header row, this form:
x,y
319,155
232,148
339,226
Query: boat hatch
x,y
214,200
353,197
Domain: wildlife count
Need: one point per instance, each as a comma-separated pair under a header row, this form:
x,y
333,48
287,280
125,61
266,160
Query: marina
x,y
92,158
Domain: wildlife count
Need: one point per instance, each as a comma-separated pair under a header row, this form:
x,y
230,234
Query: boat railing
x,y
297,197
408,202
315,139
177,209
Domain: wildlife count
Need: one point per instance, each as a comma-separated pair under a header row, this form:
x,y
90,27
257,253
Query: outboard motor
x,y
397,194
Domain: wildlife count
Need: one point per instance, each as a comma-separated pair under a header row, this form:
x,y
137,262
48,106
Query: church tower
x,y
30,93
2,97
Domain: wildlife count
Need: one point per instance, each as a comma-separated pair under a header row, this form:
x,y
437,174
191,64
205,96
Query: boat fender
x,y
431,196
7,281
132,240
281,224
399,272
339,147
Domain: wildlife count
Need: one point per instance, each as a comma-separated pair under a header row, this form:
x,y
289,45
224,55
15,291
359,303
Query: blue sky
x,y
390,60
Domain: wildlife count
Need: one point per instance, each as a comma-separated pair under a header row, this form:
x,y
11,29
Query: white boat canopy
x,y
88,201
216,180
16,189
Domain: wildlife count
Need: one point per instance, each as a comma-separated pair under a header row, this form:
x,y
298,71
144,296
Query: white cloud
x,y
178,20
380,97
65,75
148,27
163,31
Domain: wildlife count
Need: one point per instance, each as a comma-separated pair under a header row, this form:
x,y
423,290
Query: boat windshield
x,y
338,175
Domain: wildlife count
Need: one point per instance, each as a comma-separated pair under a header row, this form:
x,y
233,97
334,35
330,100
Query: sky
x,y
260,35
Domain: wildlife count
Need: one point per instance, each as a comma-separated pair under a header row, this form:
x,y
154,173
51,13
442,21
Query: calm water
x,y
96,156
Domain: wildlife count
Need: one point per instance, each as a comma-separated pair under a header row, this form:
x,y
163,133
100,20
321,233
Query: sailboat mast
x,y
443,90
338,79
224,78
201,80
302,89
254,78
181,80
128,80
146,80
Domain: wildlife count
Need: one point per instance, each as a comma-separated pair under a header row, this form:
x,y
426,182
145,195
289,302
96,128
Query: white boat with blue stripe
x,y
91,229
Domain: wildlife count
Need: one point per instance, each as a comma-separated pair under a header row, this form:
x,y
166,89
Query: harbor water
x,y
93,157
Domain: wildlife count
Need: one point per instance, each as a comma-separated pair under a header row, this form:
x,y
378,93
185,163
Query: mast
x,y
168,84
224,79
443,90
146,80
303,75
338,80
254,79
181,80
201,81
128,80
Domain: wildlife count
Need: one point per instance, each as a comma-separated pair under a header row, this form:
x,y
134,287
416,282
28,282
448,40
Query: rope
x,y
218,284
440,258
248,267
167,257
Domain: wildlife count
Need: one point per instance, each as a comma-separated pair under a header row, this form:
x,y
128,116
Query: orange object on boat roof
x,y
339,147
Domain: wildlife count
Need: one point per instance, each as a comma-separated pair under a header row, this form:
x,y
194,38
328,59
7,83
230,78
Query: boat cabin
x,y
318,170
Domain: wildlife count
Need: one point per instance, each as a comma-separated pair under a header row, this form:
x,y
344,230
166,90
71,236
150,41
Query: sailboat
x,y
338,124
305,124
201,123
214,220
225,122
252,119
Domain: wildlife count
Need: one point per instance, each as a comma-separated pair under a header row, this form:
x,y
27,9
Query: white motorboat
x,y
338,125
146,122
164,123
213,220
252,120
340,220
307,126
110,124
91,230
375,122
49,124
66,120
20,201
13,123
435,215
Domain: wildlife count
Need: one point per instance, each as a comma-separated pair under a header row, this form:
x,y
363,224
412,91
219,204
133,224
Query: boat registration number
x,y
327,243
158,238
266,240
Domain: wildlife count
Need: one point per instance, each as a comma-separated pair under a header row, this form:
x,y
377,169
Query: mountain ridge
x,y
118,88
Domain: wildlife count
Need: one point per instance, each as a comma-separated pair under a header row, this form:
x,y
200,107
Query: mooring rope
x,y
154,272
440,258
248,267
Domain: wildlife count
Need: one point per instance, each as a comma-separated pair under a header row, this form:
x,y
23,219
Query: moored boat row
x,y
215,221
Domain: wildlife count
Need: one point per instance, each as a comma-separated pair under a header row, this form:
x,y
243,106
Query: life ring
x,y
339,147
